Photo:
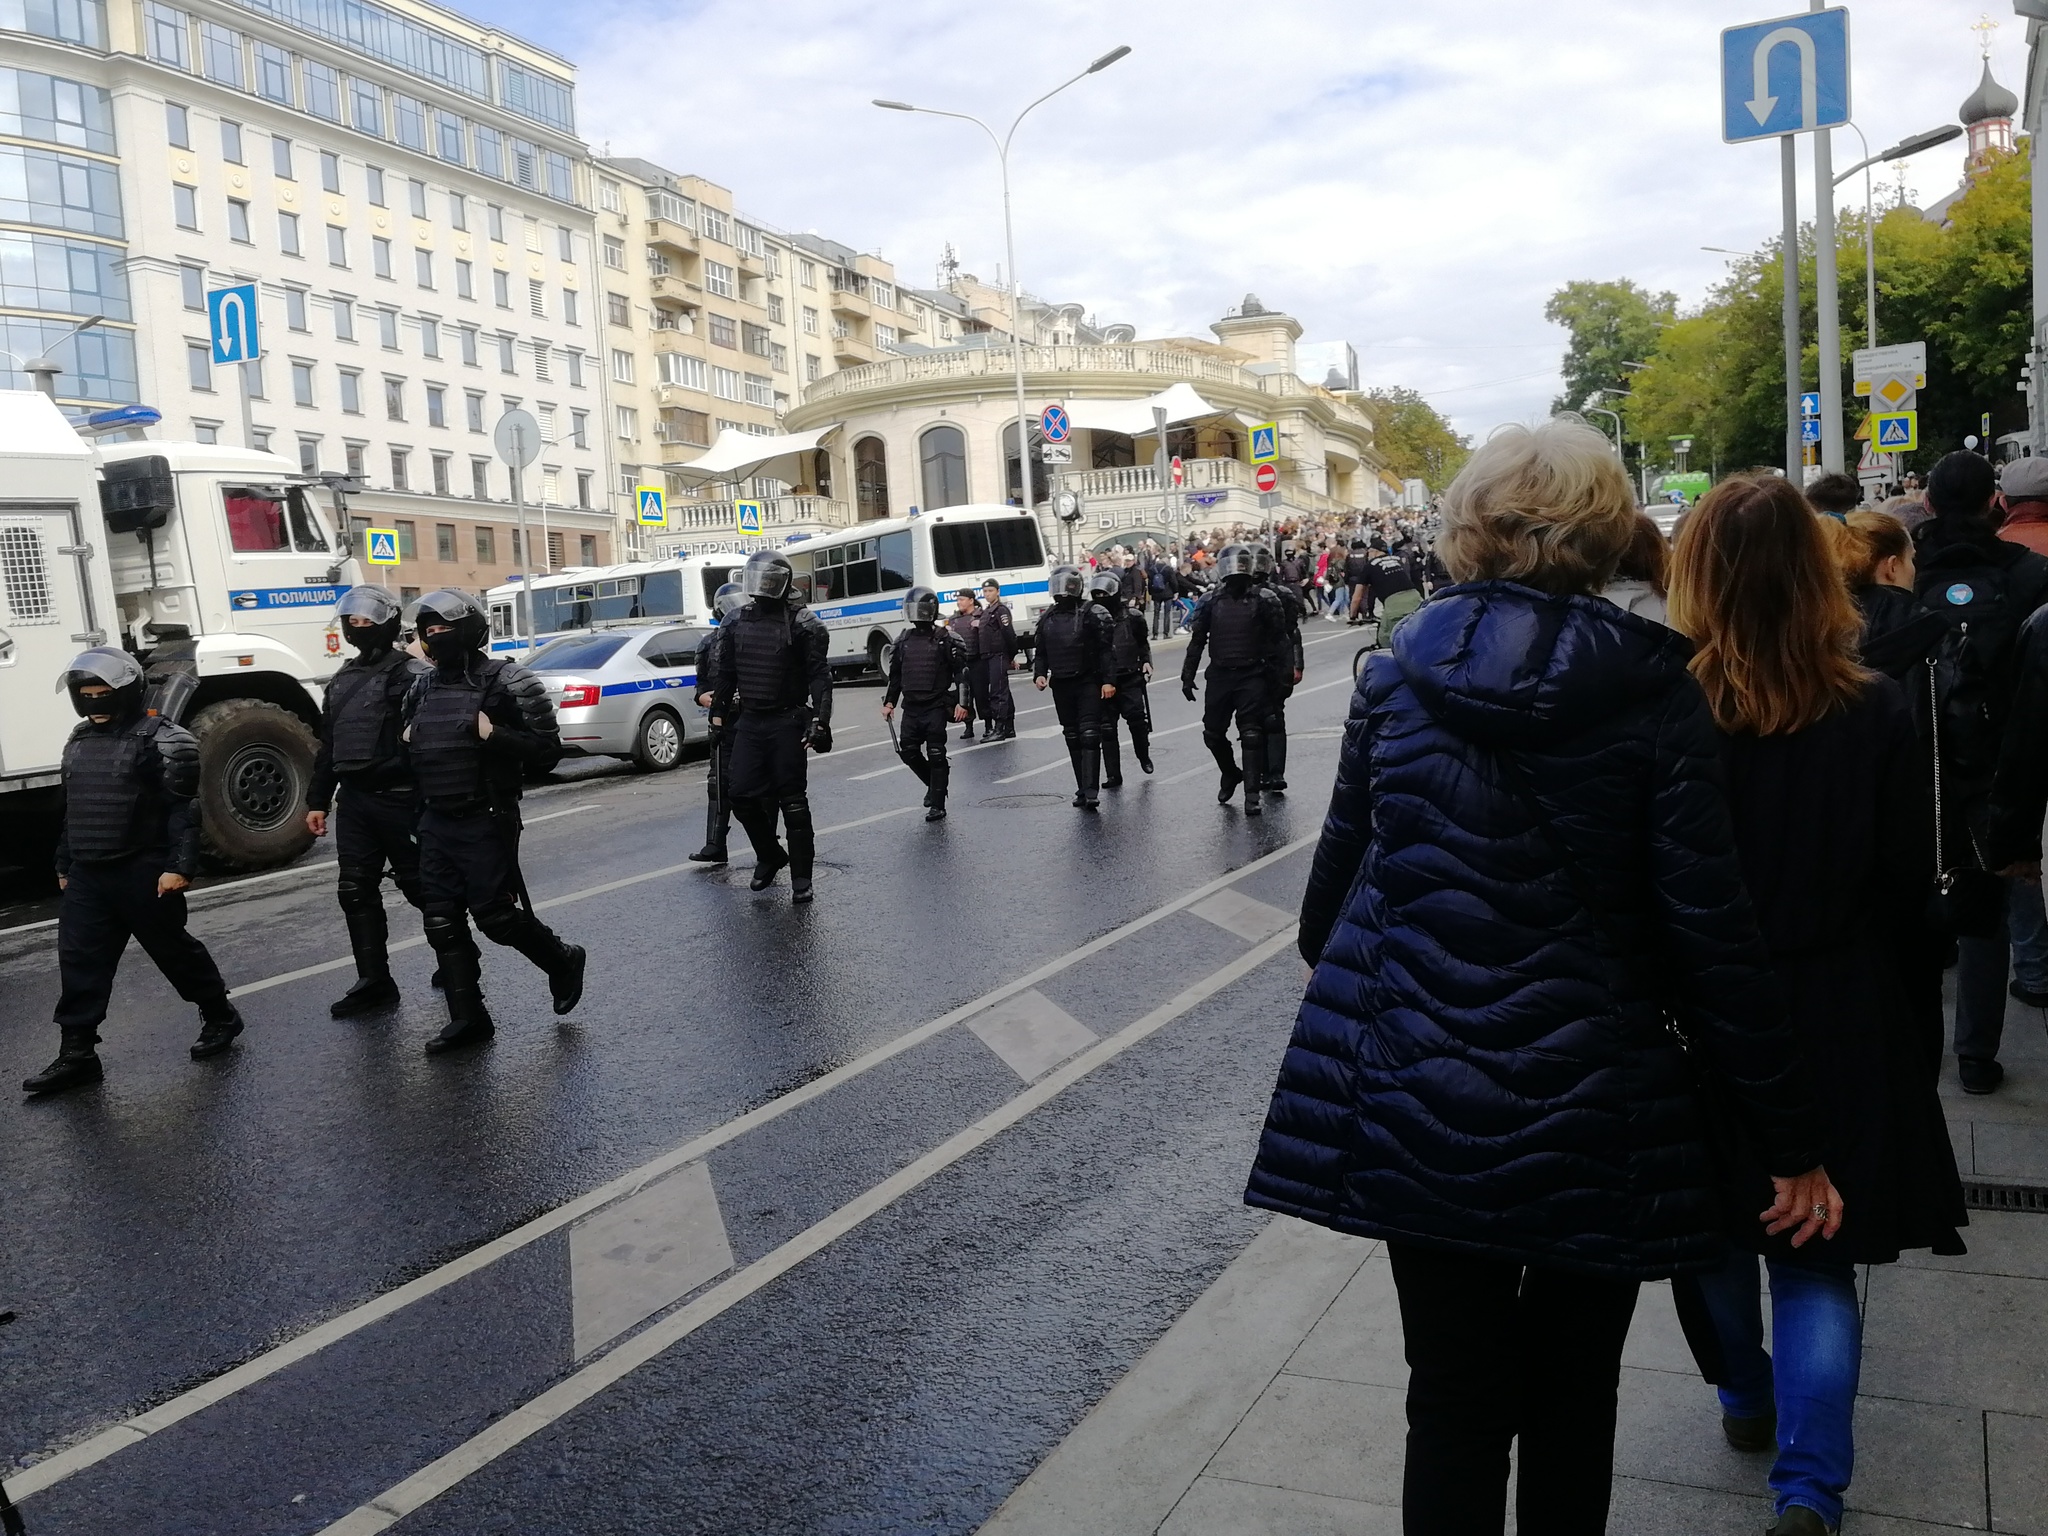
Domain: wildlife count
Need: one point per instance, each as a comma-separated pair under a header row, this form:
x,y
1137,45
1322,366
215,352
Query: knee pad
x,y
1215,741
796,813
935,751
356,891
497,920
910,757
1088,738
447,932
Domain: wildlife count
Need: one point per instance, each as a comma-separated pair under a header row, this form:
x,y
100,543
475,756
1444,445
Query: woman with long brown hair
x,y
1875,553
1834,829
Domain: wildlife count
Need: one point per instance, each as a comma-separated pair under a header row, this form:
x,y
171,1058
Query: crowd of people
x,y
1628,927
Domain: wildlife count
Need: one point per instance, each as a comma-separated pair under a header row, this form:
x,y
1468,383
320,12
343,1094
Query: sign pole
x,y
1165,466
1795,448
1827,296
248,410
519,511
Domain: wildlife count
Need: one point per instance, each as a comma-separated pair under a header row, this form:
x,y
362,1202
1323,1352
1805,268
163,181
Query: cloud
x,y
1411,179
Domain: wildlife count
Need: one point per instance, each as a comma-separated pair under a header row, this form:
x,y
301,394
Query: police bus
x,y
854,578
570,602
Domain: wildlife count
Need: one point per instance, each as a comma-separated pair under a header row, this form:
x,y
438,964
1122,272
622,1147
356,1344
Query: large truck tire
x,y
255,763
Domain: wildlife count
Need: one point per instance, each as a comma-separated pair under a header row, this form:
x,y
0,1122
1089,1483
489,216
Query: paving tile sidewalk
x,y
1273,1407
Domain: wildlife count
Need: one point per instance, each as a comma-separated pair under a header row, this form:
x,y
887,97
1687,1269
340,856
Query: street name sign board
x,y
653,504
1267,478
1266,442
1897,431
231,318
746,517
517,436
1908,360
1053,422
1785,76
380,546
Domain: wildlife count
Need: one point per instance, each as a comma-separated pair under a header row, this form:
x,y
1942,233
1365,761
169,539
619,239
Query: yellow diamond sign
x,y
1892,392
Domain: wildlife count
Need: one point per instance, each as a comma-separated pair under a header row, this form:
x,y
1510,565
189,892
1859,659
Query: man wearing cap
x,y
998,648
2023,493
128,848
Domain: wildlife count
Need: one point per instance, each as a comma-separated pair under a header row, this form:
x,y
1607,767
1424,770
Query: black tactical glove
x,y
1187,690
821,737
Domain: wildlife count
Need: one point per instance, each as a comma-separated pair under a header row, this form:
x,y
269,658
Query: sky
x,y
1414,179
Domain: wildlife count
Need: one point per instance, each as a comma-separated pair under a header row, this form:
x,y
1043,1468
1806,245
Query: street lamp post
x,y
1002,148
1899,151
43,370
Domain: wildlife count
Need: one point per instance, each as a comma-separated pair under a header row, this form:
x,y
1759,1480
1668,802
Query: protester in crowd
x,y
1638,586
2023,495
1875,554
1910,510
1525,800
1834,825
1987,587
1835,495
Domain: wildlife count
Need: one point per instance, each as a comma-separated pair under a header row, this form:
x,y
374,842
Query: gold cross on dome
x,y
1984,29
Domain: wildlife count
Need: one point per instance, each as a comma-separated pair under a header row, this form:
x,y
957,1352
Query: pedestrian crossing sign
x,y
1266,443
653,506
380,546
1897,432
746,516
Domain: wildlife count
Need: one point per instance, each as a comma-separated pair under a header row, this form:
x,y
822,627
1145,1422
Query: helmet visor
x,y
101,664
368,602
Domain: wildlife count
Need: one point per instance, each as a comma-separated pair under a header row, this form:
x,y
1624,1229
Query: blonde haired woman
x,y
1526,863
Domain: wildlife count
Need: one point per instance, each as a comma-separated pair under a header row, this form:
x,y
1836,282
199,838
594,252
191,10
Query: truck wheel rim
x,y
663,747
262,787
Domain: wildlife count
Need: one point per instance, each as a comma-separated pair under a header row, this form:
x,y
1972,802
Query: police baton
x,y
895,745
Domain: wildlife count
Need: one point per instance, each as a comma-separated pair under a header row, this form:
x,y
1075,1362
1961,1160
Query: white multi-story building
x,y
406,189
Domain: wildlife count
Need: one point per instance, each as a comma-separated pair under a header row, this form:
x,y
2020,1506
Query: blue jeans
x,y
1817,1344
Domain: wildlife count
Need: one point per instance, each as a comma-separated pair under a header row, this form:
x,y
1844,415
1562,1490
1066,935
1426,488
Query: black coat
x,y
1835,828
1898,632
1471,1068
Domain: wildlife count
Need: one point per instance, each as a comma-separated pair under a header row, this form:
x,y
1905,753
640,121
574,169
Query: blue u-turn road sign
x,y
231,316
1785,76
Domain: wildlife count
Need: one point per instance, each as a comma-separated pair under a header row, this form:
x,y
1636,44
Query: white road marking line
x,y
90,1452
473,1455
632,1259
1032,773
534,821
860,778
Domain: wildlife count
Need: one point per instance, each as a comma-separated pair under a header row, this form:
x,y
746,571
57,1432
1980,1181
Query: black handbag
x,y
1968,900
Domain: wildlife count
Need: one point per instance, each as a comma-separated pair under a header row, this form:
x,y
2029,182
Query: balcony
x,y
682,338
780,517
1212,493
1156,365
670,235
668,288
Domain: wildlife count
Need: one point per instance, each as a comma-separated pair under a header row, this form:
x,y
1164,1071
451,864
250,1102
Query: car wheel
x,y
255,761
658,744
880,650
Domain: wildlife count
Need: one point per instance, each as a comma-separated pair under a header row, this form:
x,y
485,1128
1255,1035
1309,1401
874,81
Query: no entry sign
x,y
1266,478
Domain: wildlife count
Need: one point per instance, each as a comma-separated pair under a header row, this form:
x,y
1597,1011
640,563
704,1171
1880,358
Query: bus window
x,y
896,562
661,595
960,549
863,571
1013,542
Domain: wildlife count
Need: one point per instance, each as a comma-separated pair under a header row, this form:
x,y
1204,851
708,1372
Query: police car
x,y
625,692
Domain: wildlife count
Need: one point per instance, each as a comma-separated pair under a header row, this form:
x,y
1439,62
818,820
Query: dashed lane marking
x,y
97,1448
1032,1033
473,1455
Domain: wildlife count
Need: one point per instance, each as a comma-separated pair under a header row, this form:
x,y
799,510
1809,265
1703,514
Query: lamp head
x,y
1109,58
1920,141
895,106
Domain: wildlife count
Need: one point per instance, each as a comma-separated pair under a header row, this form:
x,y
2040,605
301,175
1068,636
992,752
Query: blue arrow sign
x,y
1785,76
231,317
1809,403
1809,430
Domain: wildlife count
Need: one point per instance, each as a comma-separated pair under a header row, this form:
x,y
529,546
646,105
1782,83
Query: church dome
x,y
1989,102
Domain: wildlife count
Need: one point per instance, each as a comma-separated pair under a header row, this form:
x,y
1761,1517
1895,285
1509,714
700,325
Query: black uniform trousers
x,y
998,707
1240,694
1276,730
372,831
1134,708
921,743
102,907
1079,703
469,864
771,774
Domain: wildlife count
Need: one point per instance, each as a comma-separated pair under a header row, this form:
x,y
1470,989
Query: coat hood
x,y
1507,665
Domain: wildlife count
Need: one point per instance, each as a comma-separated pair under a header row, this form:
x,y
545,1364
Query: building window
x,y
813,369
465,280
353,455
380,256
448,138
569,315
458,210
473,410
444,533
416,195
586,543
394,399
337,246
807,272
166,38
501,290
387,329
430,336
302,383
185,205
423,268
760,389
691,428
494,221
537,298
676,368
617,310
199,365
238,222
507,350
220,50
330,171
259,439
192,286
177,123
754,338
725,383
288,233
344,318
231,142
615,253
408,533
408,121
540,360
468,335
575,368
775,308
323,92
723,331
609,197
480,488
628,423
885,335
713,224
719,279
778,357
533,235
622,366
942,457
579,428
309,455
281,157
810,321
871,478
351,391
398,483
373,185
437,407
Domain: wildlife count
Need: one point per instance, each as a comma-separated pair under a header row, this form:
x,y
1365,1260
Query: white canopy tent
x,y
1133,418
743,455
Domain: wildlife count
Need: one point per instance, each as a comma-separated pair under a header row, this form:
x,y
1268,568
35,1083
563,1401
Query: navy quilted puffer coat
x,y
1476,1066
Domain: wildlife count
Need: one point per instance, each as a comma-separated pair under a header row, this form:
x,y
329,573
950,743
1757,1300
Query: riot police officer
x,y
475,725
1266,569
775,664
998,650
1240,624
928,672
1073,658
128,848
1130,663
965,622
726,602
361,757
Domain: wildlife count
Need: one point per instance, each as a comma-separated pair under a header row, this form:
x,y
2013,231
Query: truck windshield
x,y
266,519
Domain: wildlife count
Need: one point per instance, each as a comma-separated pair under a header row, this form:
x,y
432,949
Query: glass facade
x,y
72,277
220,54
36,106
58,191
274,74
536,96
409,121
166,34
99,364
323,90
68,21
387,37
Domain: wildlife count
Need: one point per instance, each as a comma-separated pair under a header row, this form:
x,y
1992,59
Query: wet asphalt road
x,y
872,1304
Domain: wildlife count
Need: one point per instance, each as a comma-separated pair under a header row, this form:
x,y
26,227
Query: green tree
x,y
1610,324
1416,442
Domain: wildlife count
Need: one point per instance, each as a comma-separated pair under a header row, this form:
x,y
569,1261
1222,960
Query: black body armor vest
x,y
358,708
103,789
1063,635
447,753
1233,630
1125,652
765,657
923,664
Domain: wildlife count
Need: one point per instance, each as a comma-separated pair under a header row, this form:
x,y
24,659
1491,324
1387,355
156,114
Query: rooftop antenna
x,y
949,265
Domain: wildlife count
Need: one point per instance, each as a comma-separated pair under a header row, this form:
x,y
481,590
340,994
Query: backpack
x,y
1975,665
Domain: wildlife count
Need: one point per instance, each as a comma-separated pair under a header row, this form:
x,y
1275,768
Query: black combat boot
x,y
1254,768
565,978
1112,764
469,1022
1089,767
1276,763
217,1030
717,818
1141,749
1227,765
368,935
76,1065
935,801
803,848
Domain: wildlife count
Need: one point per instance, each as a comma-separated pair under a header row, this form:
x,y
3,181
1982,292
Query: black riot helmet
x,y
381,612
1235,561
117,670
921,605
728,600
1262,560
1107,588
1067,584
466,628
768,575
